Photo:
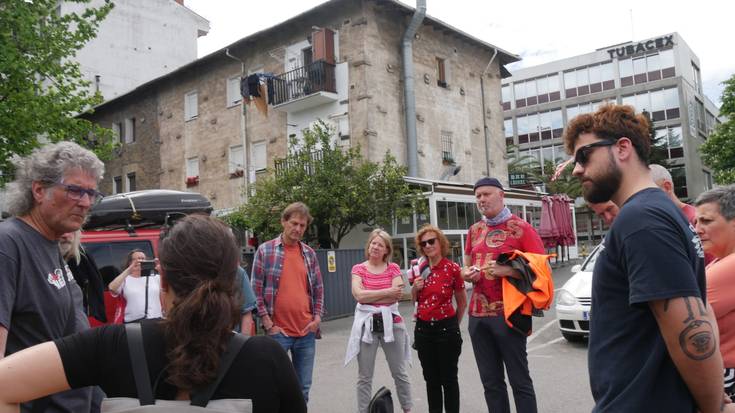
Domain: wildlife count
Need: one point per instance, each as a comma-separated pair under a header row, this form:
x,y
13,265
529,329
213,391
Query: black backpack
x,y
382,402
200,400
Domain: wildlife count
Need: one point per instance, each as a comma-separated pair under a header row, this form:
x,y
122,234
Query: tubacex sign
x,y
648,45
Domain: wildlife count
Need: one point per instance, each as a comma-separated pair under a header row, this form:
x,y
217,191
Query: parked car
x,y
574,300
133,220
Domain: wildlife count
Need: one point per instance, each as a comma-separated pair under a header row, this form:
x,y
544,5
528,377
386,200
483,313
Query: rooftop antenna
x,y
632,31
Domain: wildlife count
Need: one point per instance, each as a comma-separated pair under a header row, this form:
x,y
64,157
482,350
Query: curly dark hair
x,y
199,258
612,122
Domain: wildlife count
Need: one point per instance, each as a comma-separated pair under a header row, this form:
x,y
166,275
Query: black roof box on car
x,y
145,207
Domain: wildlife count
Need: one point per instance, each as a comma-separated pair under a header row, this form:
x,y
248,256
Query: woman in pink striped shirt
x,y
377,285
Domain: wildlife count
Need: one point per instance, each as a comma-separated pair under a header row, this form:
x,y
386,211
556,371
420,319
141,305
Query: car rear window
x,y
111,256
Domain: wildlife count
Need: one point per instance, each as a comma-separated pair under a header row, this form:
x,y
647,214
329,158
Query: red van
x,y
134,220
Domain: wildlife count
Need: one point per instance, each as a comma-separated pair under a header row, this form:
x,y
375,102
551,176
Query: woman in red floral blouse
x,y
436,336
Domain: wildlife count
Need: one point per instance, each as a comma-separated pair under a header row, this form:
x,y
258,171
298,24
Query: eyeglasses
x,y
427,242
583,153
76,193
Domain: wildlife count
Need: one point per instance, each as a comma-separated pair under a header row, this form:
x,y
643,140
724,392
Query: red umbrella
x,y
548,231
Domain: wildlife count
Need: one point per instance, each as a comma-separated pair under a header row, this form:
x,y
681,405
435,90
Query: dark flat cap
x,y
488,182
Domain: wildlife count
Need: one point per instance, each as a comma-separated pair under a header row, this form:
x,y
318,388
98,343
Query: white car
x,y
574,299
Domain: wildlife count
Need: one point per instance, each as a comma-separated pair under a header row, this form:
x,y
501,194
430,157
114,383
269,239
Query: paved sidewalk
x,y
558,369
333,388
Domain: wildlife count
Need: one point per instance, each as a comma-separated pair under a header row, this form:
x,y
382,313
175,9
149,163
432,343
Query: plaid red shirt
x,y
266,273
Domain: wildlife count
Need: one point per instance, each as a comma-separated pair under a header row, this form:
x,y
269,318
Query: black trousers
x,y
439,345
495,345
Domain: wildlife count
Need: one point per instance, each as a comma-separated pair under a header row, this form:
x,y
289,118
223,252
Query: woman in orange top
x,y
716,228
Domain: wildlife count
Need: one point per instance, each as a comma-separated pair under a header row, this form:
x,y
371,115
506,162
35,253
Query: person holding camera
x,y
140,286
377,285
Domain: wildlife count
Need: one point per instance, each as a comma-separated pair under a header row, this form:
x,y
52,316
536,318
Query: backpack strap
x,y
134,335
201,398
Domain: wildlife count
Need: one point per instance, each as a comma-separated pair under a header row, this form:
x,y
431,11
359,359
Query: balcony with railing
x,y
305,87
282,165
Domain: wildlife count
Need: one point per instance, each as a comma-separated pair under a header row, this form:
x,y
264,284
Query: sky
x,y
538,31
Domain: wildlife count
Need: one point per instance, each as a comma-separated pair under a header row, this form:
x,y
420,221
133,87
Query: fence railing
x,y
303,81
284,164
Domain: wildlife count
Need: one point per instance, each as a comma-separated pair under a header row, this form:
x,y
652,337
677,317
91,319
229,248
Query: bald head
x,y
605,210
662,178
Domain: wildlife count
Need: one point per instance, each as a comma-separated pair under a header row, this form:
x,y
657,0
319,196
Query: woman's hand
x,y
418,284
395,293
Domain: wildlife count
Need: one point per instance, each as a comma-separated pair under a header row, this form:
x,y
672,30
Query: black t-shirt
x,y
261,372
651,253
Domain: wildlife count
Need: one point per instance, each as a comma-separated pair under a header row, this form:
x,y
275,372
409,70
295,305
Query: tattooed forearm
x,y
689,311
697,340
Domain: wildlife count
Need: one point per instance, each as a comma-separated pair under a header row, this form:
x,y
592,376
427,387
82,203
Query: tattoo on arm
x,y
697,340
689,311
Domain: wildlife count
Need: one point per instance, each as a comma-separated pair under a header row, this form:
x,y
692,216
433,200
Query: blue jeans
x,y
303,350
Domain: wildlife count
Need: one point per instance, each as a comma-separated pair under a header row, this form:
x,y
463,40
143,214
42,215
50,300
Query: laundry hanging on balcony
x,y
255,88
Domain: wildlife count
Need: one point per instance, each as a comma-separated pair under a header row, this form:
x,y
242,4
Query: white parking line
x,y
540,330
546,344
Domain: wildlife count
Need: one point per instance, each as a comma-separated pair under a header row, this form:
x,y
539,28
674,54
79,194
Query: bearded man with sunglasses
x,y
653,341
54,188
494,343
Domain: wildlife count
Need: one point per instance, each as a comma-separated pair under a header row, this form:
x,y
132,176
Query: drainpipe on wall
x,y
408,90
484,118
243,132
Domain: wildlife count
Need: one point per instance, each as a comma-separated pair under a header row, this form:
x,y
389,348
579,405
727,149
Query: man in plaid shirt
x,y
289,291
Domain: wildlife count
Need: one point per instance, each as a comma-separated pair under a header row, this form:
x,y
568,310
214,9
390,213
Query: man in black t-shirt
x,y
653,342
52,192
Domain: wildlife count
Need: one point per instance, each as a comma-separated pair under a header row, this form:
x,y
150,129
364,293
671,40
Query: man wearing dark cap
x,y
496,344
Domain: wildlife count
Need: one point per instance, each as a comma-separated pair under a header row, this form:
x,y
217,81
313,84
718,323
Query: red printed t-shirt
x,y
292,311
435,299
485,243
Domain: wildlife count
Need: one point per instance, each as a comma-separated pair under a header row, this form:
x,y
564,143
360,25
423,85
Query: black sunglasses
x,y
582,156
427,242
76,193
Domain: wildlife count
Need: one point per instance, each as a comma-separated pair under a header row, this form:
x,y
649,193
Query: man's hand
x,y
495,270
312,326
471,273
274,330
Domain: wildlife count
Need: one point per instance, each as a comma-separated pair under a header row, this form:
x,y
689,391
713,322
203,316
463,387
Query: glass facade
x,y
646,68
671,140
662,104
590,79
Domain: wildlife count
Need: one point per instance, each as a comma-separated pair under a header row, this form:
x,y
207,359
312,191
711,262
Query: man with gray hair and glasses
x,y
53,190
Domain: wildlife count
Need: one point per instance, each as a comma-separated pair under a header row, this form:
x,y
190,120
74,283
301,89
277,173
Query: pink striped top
x,y
380,281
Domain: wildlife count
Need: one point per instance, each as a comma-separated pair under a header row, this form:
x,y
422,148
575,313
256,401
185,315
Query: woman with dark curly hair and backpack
x,y
182,353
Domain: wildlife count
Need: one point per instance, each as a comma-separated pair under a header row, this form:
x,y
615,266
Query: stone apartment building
x,y
189,130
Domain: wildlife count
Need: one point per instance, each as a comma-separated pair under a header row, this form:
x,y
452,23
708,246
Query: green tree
x,y
341,189
659,146
718,152
41,87
565,183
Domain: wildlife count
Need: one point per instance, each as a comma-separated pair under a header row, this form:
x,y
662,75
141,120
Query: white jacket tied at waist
x,y
364,318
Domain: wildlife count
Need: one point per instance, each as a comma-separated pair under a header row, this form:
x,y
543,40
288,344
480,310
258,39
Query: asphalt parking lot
x,y
558,368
